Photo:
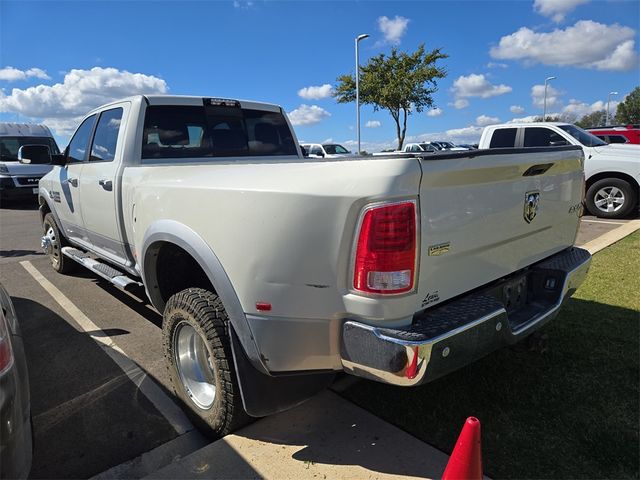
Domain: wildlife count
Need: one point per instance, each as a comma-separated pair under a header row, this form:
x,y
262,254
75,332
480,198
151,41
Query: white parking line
x,y
604,221
165,405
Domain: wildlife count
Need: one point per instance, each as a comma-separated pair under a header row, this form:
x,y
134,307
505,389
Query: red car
x,y
613,134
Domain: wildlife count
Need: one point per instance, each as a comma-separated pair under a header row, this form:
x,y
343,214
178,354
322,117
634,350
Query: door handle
x,y
73,182
106,184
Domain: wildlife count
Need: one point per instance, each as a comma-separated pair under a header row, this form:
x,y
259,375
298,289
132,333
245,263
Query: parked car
x,y
15,404
631,132
18,179
274,271
612,172
450,146
325,150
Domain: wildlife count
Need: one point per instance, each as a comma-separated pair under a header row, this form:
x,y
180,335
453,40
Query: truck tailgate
x,y
489,213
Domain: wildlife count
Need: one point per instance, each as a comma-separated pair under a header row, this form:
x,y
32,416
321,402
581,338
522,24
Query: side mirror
x,y
34,154
304,151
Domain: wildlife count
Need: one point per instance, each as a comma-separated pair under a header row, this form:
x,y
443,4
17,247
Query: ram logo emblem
x,y
531,205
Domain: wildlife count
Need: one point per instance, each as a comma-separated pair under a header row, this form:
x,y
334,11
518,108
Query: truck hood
x,y
24,170
619,150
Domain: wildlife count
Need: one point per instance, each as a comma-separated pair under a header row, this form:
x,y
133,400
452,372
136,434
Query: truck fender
x,y
45,199
184,237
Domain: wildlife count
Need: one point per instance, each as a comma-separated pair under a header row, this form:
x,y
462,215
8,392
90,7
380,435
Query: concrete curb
x,y
327,437
612,237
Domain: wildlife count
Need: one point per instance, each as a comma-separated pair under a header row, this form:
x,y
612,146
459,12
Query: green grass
x,y
571,412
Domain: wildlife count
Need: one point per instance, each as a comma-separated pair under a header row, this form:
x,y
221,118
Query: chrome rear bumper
x,y
448,337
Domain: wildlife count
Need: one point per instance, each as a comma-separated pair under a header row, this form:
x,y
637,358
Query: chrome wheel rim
x,y
609,199
50,246
195,365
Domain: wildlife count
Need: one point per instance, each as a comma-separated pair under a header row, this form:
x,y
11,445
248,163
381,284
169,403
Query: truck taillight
x,y
6,354
385,257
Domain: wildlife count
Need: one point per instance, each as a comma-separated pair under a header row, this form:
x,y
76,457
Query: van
x,y
19,179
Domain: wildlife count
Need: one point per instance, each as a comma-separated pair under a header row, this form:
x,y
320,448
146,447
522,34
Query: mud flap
x,y
264,395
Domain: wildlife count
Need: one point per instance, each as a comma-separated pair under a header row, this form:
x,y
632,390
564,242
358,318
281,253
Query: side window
x,y
617,139
80,142
503,138
316,150
541,137
106,136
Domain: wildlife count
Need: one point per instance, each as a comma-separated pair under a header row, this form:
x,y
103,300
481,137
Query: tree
x,y
593,119
401,83
629,109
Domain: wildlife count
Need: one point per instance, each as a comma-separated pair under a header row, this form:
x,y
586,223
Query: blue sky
x,y
60,59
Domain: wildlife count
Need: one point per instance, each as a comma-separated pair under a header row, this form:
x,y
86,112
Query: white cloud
x,y
556,9
587,44
242,4
579,109
308,115
470,134
11,74
530,118
475,85
537,96
484,120
435,112
393,29
373,124
517,109
460,103
61,105
315,93
496,65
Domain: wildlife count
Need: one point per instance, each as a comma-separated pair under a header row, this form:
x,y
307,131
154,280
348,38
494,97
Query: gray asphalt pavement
x,y
88,414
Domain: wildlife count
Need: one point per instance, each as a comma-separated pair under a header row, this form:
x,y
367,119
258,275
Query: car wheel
x,y
52,243
200,363
611,198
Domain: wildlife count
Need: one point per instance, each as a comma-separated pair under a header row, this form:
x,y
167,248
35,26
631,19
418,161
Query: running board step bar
x,y
116,277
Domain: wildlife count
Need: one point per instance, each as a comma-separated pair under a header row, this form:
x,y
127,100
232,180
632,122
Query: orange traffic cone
x,y
465,462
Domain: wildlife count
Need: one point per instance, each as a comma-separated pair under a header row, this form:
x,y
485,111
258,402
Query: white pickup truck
x,y
274,271
612,171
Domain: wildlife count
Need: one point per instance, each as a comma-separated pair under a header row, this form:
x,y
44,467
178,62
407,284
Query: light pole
x,y
358,38
609,101
544,112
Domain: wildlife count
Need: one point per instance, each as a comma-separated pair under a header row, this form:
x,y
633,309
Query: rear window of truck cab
x,y
214,131
503,138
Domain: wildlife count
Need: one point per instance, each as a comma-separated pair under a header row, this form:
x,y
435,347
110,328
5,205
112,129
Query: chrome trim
x,y
419,354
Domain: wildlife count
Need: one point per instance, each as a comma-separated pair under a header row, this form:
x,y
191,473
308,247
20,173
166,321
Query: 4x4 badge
x,y
531,204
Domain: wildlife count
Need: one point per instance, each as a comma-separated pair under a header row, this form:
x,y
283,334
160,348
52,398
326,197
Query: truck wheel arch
x,y
622,176
174,233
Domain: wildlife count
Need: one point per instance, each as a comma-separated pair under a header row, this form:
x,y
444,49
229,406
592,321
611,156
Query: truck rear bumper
x,y
448,337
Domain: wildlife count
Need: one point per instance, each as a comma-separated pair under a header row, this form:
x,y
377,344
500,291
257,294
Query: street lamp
x,y
358,38
544,113
608,101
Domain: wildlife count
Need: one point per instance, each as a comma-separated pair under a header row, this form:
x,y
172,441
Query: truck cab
x,y
18,179
612,171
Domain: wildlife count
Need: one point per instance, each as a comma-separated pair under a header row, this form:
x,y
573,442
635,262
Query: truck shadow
x,y
87,414
574,396
324,431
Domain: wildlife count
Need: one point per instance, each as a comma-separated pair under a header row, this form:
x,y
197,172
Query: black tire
x,y
59,262
203,311
609,185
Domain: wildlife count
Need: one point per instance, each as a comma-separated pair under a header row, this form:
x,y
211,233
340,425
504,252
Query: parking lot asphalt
x,y
92,407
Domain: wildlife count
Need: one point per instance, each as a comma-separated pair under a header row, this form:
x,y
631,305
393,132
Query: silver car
x,y
15,404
